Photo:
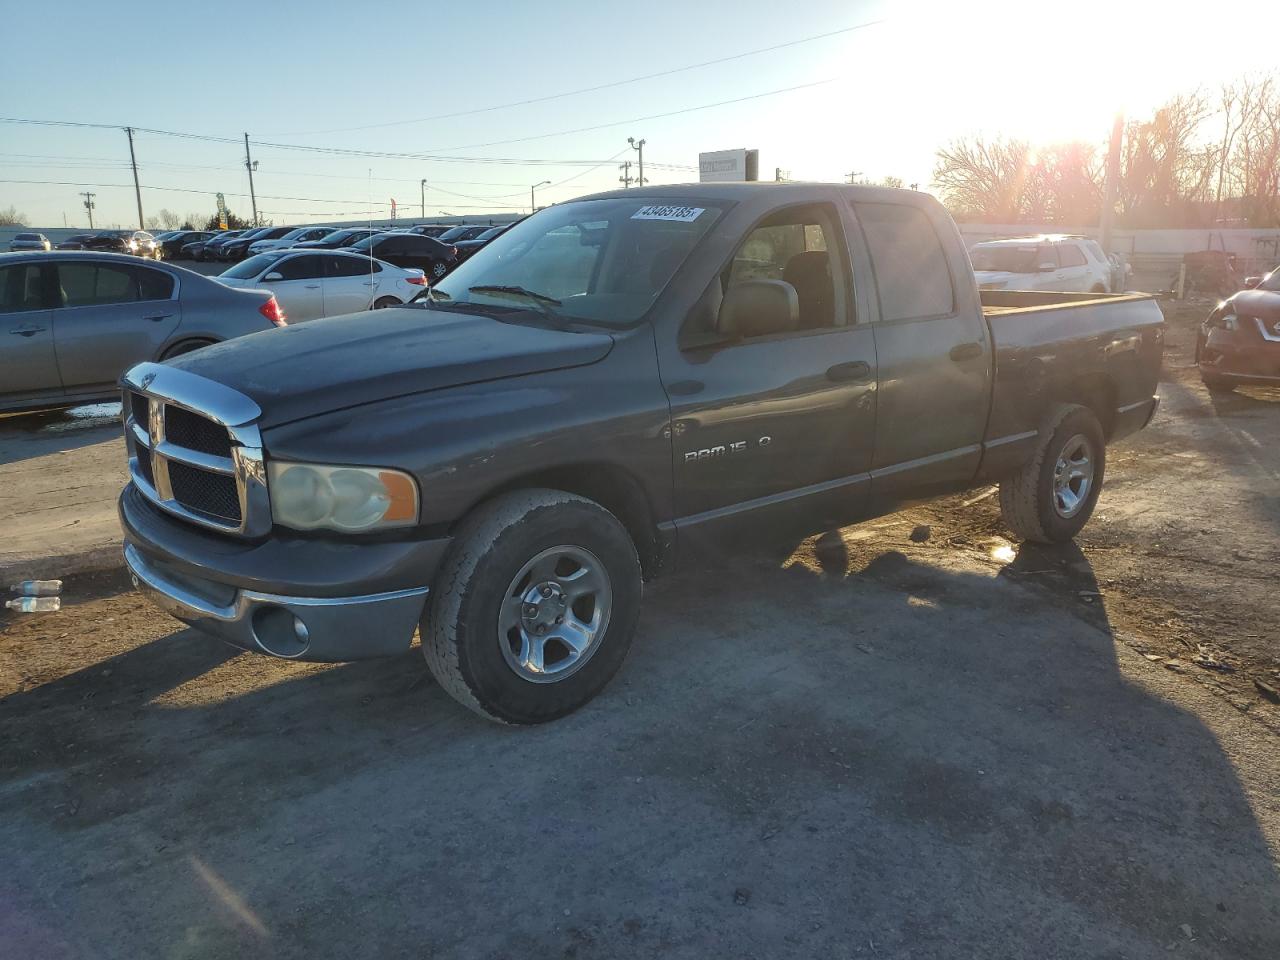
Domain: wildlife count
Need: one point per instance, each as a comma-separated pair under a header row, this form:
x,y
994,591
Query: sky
x,y
421,78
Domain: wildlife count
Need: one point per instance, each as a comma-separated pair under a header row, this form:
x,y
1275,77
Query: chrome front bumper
x,y
295,628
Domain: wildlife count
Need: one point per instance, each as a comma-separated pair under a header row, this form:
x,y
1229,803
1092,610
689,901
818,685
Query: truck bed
x,y
1002,302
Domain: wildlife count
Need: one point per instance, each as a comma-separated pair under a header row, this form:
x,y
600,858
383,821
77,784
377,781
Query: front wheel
x,y
1051,498
533,610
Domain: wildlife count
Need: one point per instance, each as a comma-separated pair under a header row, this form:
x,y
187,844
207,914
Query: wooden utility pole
x,y
133,161
248,165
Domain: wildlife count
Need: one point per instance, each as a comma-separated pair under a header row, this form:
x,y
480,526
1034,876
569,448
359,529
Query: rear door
x,y
301,287
934,353
28,364
111,316
350,284
777,429
1049,268
1073,267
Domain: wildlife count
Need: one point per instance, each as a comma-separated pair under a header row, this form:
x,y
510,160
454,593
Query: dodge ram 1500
x,y
613,382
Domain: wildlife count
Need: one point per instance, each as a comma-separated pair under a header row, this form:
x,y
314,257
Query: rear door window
x,y
92,284
154,284
350,267
910,263
1071,256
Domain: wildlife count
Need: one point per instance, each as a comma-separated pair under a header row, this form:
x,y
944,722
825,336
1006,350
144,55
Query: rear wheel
x,y
1217,384
1051,498
438,270
383,302
533,611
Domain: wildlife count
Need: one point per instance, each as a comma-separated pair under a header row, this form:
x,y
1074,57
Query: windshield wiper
x,y
539,300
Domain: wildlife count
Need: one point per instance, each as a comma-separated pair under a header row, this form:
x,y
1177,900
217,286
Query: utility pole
x,y
625,179
249,165
88,205
422,184
853,175
1112,183
638,147
133,160
533,204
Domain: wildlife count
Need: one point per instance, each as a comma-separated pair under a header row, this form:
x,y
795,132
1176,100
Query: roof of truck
x,y
743,191
1036,238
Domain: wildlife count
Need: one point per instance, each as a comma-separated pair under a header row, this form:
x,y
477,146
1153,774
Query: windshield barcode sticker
x,y
681,214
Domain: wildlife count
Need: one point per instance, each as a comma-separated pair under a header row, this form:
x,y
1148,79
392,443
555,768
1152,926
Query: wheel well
x,y
613,488
173,348
1098,393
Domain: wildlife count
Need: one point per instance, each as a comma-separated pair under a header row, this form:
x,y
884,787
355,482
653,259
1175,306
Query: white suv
x,y
1046,262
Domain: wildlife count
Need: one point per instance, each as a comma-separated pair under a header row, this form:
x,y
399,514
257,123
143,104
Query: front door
x,y
774,432
28,366
111,316
301,287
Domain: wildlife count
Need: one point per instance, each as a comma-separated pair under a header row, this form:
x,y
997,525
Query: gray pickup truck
x,y
615,381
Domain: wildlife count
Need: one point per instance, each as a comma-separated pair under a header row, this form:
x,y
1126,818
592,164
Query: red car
x,y
1239,343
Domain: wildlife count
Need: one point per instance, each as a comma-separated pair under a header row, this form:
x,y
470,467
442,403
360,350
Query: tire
x,y
1098,288
438,270
1034,504
1217,384
483,581
383,302
186,346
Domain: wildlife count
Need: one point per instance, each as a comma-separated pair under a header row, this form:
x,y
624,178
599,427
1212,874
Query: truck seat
x,y
810,274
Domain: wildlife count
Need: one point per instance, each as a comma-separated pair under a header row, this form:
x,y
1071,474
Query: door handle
x,y
965,351
313,286
853,370
160,316
26,331
368,283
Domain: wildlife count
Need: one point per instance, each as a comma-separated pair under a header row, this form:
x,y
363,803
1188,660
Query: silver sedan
x,y
325,283
72,323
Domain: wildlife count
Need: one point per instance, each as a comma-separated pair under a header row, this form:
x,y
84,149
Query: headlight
x,y
310,496
1228,321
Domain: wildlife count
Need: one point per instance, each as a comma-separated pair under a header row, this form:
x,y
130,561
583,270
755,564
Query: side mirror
x,y
1251,282
758,308
1047,267
272,277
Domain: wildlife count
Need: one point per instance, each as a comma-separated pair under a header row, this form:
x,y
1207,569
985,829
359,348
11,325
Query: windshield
x,y
295,234
336,236
1271,281
248,269
606,261
1005,259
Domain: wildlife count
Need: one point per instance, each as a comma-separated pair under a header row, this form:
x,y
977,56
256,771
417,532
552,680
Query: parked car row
x,y
72,322
139,243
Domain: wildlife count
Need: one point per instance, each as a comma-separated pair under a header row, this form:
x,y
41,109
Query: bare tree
x,y
984,179
1163,170
12,218
168,219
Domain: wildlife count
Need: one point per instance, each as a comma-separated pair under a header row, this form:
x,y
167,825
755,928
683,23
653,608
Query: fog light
x,y
300,631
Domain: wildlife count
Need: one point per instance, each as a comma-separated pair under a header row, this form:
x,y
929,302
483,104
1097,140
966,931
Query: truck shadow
x,y
847,746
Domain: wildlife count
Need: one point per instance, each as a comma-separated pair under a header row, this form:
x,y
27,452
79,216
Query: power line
x,y
598,87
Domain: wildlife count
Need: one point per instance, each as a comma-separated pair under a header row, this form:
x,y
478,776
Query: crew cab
x,y
615,386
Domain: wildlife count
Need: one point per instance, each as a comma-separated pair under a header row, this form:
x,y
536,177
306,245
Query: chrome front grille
x,y
195,450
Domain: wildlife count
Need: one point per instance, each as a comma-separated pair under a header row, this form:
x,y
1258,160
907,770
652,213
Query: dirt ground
x,y
859,746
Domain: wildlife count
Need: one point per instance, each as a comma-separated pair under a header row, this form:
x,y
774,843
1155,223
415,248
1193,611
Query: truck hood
x,y
1263,304
339,362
